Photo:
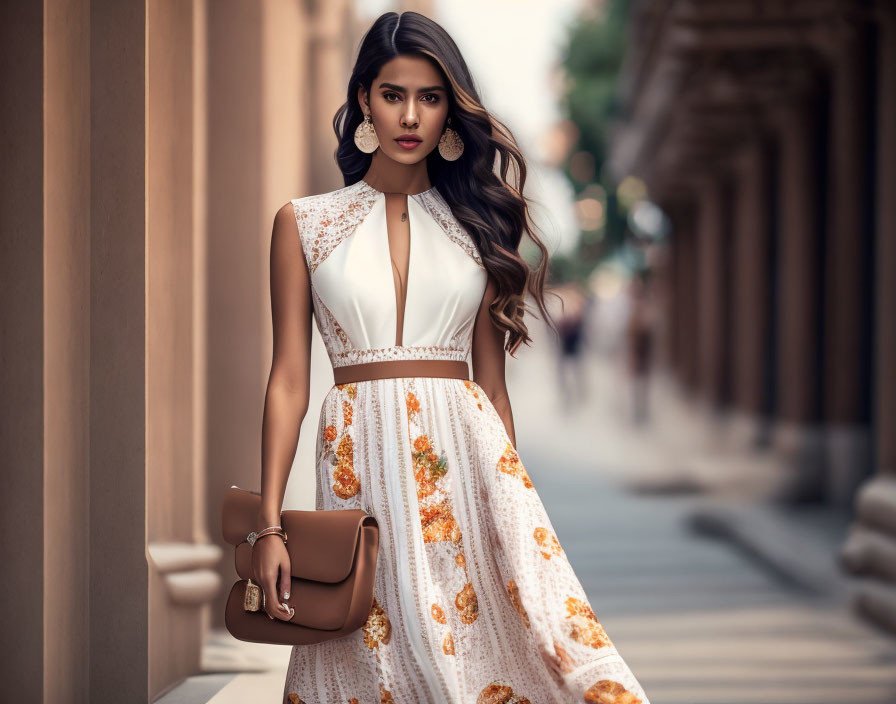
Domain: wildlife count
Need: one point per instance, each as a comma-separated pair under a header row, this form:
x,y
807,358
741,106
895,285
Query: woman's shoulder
x,y
324,219
336,197
332,209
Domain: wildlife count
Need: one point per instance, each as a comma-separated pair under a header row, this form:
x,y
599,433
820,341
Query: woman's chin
x,y
404,155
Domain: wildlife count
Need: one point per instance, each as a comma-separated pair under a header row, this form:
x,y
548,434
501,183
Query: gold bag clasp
x,y
252,599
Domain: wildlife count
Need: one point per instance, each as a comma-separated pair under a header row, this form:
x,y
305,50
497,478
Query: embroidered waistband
x,y
390,369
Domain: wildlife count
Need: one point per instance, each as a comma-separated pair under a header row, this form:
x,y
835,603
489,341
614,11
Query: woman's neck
x,y
397,178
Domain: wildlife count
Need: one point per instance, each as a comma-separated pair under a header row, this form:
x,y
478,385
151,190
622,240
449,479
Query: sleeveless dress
x,y
474,600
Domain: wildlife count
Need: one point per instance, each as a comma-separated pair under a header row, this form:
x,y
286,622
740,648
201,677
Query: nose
x,y
409,118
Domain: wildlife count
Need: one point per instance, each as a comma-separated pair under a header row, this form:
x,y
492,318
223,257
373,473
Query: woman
x,y
408,268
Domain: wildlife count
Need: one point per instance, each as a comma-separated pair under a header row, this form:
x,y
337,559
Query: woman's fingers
x,y
274,607
285,583
267,580
274,579
285,578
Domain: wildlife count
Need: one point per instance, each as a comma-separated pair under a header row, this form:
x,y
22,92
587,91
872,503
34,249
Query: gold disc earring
x,y
451,146
365,136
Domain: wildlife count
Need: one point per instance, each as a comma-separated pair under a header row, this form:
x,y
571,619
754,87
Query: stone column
x,y
118,608
753,289
181,556
847,284
65,398
239,237
797,437
45,350
672,300
685,243
329,66
713,219
675,294
871,545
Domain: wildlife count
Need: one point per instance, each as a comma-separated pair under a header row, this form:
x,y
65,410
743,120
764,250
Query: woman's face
x,y
408,97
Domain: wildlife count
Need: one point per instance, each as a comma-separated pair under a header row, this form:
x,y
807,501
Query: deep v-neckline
x,y
400,270
400,298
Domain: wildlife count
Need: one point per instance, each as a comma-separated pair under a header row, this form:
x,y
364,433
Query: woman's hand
x,y
270,562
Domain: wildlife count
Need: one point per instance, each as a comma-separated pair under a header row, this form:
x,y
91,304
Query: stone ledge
x,y
186,569
179,557
801,551
876,504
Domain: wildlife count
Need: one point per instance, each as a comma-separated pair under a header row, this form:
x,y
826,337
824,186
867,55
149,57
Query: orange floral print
x,y
586,628
610,692
497,693
563,661
412,403
473,388
437,613
438,523
351,388
385,695
511,464
353,700
514,591
347,482
437,518
548,542
294,698
377,629
429,468
448,644
436,512
467,603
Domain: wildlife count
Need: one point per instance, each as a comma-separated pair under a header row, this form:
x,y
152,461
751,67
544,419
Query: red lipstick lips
x,y
408,140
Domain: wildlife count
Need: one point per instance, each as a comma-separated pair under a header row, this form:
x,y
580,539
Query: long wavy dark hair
x,y
491,210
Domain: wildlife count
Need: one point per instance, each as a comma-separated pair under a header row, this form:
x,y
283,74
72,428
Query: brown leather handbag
x,y
333,557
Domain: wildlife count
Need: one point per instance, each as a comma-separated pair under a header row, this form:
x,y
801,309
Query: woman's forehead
x,y
409,73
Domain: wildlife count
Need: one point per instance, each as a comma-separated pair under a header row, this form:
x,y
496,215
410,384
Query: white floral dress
x,y
475,600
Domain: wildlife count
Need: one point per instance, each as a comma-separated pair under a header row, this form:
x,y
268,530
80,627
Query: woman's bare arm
x,y
286,399
488,360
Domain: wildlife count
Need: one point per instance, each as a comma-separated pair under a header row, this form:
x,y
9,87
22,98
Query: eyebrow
x,y
426,89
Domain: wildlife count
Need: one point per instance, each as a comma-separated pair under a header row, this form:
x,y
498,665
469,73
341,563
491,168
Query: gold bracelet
x,y
270,530
279,535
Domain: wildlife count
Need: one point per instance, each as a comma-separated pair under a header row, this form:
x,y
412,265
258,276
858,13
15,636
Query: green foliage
x,y
592,61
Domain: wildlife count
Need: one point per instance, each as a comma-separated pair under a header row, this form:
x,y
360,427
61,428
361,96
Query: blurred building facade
x,y
766,132
155,141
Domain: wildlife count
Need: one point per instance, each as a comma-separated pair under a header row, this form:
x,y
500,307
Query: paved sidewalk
x,y
710,599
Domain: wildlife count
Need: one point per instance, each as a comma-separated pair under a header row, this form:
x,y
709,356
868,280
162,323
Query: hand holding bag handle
x,y
272,570
333,558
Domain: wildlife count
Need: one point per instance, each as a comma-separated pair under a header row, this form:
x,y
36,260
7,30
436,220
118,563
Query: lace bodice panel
x,y
345,241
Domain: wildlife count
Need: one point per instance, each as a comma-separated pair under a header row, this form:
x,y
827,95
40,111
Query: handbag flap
x,y
321,544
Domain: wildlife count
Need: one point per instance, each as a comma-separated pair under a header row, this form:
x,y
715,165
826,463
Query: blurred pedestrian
x,y
571,327
639,345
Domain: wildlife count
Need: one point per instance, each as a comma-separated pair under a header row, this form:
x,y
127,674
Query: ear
x,y
362,99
